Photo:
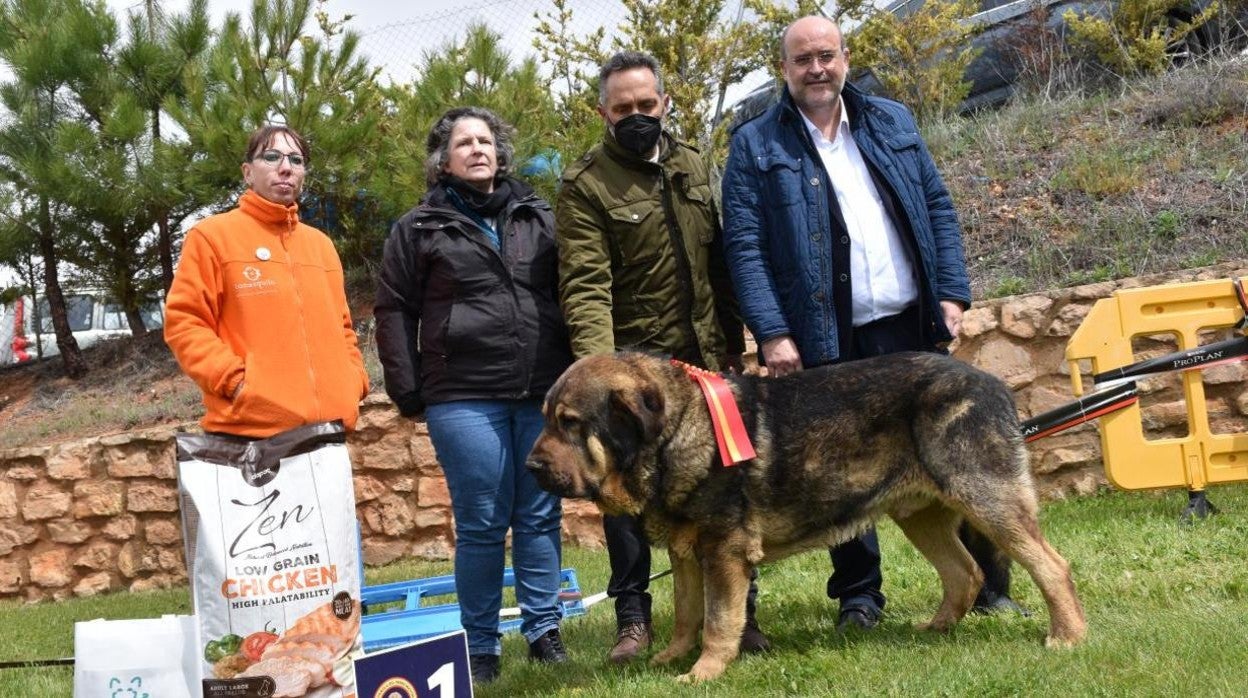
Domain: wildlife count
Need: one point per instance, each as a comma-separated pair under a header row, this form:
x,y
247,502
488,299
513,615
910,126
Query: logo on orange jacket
x,y
253,284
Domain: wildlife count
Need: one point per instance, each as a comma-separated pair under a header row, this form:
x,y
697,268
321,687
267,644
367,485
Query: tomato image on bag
x,y
272,552
256,643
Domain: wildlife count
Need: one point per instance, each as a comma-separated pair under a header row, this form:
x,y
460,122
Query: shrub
x,y
1210,95
1136,37
1098,174
920,59
1038,52
1165,225
1008,286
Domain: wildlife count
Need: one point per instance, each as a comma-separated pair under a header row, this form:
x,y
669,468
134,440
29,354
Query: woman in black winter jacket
x,y
469,331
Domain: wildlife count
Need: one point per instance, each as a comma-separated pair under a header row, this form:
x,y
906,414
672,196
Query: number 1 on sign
x,y
443,680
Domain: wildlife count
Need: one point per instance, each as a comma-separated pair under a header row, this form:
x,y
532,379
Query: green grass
x,y
1165,604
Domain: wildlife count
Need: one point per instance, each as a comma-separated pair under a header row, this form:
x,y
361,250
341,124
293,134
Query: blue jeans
x,y
482,446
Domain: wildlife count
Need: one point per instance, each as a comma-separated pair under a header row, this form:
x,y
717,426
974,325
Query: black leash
x,y
35,663
1242,296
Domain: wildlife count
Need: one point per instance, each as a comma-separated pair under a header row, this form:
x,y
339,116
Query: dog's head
x,y
603,417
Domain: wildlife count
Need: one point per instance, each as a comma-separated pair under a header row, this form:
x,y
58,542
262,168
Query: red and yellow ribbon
x,y
730,434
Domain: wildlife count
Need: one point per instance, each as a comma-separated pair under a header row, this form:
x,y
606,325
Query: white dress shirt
x,y
883,277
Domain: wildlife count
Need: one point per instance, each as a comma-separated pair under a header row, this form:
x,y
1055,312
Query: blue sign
x,y
432,668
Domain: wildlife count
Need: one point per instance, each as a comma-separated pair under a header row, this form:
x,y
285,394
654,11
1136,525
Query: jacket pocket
x,y
699,207
903,148
902,141
636,325
630,228
451,330
782,178
261,403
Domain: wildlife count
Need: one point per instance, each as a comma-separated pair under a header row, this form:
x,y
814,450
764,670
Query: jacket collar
x,y
628,158
521,192
435,203
268,212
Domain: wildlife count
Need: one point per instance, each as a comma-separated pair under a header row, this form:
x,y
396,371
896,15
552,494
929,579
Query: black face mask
x,y
638,133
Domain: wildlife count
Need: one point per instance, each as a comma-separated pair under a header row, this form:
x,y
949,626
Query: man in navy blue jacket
x,y
843,244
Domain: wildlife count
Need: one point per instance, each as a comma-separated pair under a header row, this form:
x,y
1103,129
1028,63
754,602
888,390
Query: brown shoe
x,y
630,640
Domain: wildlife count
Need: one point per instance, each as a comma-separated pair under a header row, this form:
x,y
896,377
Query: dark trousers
x,y
629,552
856,579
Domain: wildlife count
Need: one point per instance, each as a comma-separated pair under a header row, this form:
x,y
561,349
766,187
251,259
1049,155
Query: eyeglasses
x,y
825,58
274,158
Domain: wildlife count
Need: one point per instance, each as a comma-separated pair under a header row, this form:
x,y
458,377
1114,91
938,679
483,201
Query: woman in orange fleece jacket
x,y
257,315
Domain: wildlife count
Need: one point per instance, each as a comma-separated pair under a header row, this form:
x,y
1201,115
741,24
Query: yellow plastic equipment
x,y
1132,462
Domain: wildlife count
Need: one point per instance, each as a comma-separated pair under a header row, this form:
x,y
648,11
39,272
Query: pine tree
x,y
155,64
85,144
573,63
116,176
38,45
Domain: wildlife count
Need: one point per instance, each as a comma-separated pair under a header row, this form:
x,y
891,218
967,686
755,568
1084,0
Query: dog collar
x,y
730,434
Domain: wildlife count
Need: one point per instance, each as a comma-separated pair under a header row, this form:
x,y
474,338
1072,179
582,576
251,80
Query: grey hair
x,y
440,136
627,60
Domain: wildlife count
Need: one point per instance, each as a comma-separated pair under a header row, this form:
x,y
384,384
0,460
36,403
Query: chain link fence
x,y
399,46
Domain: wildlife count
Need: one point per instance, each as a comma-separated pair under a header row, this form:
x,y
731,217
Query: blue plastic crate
x,y
411,621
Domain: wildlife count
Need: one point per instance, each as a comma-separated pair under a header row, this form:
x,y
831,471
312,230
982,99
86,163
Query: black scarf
x,y
483,204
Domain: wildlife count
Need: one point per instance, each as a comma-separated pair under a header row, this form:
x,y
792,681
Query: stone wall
x,y
101,514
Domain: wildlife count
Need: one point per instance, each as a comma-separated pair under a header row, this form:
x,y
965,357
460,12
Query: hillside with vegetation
x,y
1107,185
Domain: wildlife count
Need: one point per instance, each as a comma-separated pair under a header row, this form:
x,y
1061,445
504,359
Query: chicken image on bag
x,y
273,558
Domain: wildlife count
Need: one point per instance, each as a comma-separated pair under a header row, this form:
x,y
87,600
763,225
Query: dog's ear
x,y
635,418
642,405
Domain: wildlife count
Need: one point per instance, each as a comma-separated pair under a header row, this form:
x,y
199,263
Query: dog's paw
x,y
704,670
935,626
669,653
1060,643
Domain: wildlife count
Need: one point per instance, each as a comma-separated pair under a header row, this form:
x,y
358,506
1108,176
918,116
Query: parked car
x,y
26,326
1006,27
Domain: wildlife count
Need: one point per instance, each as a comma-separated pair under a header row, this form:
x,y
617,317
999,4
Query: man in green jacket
x,y
641,267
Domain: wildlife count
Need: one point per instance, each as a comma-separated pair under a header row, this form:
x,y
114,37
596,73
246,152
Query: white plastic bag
x,y
142,658
273,555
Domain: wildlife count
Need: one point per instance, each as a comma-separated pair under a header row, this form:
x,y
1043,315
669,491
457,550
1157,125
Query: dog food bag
x,y
272,551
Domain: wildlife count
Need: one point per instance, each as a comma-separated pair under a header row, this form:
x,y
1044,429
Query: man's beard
x,y
827,96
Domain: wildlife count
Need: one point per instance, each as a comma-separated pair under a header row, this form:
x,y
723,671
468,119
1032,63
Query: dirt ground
x,y
132,383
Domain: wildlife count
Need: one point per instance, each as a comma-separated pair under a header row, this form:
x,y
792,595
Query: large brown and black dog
x,y
920,437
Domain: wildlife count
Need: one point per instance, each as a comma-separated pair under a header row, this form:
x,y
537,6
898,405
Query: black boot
x,y
994,595
548,648
752,638
484,667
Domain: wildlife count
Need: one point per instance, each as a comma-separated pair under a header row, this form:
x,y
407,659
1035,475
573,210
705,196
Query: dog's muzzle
x,y
541,470
537,465
550,478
